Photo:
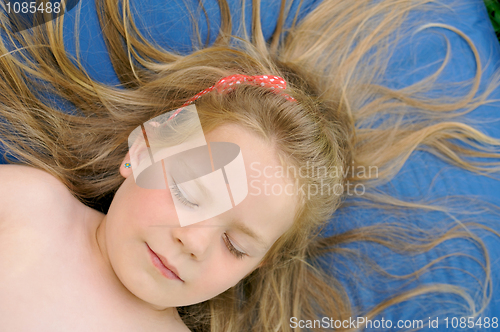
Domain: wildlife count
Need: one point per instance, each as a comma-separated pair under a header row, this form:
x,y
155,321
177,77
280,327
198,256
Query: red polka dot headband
x,y
229,83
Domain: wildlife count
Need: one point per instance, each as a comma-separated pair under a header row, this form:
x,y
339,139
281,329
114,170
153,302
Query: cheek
x,y
214,282
134,213
223,273
150,207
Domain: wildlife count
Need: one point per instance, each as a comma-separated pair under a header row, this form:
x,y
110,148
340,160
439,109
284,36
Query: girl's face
x,y
209,257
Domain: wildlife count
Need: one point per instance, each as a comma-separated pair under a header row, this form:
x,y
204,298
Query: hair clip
x,y
227,84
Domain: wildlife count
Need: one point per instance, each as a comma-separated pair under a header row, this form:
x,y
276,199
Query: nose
x,y
197,240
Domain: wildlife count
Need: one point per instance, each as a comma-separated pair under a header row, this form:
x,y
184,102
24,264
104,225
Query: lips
x,y
161,263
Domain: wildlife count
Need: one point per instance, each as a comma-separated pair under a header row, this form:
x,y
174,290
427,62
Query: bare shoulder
x,y
26,192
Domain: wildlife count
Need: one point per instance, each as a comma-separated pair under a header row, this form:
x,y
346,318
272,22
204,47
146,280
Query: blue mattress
x,y
423,176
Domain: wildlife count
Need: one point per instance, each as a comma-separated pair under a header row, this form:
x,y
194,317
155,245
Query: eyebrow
x,y
245,229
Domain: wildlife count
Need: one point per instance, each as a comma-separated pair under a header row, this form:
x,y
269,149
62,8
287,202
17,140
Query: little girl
x,y
89,242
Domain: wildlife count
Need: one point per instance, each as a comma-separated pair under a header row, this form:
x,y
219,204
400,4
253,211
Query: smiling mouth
x,y
160,263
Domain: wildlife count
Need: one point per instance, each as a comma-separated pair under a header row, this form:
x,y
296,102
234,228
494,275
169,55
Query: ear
x,y
125,172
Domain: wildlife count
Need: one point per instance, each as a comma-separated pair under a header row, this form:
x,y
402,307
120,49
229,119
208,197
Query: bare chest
x,y
47,283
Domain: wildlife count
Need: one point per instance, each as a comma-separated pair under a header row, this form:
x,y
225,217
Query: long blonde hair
x,y
332,60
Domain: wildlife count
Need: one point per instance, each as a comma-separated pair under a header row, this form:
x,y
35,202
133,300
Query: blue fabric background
x,y
423,176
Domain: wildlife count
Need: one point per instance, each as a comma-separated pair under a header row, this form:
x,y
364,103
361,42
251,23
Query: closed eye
x,y
181,197
230,246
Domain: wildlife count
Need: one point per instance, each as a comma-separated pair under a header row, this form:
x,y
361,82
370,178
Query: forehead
x,y
254,147
271,201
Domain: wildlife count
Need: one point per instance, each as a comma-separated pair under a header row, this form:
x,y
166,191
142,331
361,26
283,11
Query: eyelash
x,y
238,254
177,192
181,198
